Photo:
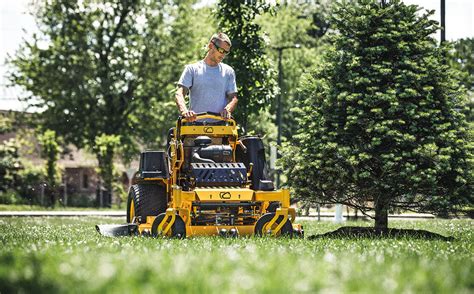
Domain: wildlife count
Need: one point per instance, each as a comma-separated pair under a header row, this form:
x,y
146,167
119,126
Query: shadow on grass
x,y
369,232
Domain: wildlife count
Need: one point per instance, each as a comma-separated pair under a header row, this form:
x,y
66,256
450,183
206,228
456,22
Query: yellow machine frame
x,y
181,202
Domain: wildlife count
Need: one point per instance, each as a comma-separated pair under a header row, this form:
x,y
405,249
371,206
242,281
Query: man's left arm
x,y
229,108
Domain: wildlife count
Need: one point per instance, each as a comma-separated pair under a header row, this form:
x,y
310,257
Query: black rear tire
x,y
146,200
285,231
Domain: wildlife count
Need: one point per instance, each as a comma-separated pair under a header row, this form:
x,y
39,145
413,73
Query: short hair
x,y
221,37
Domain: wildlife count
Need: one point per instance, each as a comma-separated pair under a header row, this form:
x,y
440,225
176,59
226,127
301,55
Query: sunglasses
x,y
220,49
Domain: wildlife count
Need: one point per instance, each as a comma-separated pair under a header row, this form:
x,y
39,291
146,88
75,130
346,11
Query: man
x,y
210,82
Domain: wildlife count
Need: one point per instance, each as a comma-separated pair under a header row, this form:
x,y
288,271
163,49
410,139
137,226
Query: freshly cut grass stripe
x,y
63,255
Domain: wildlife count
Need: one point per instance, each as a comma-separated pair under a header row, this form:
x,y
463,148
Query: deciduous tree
x,y
10,163
50,150
291,24
255,76
105,68
462,58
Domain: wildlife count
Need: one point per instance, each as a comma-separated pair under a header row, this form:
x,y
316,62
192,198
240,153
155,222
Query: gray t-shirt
x,y
208,85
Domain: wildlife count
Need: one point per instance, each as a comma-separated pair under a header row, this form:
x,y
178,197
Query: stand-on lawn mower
x,y
208,182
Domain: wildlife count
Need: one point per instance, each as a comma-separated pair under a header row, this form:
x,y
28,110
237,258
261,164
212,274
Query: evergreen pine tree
x,y
381,122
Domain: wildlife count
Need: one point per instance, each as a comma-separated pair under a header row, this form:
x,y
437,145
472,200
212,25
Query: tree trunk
x,y
65,190
52,195
110,177
106,171
381,213
101,194
108,187
42,194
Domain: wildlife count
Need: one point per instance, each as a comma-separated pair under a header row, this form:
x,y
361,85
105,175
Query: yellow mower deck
x,y
203,197
182,203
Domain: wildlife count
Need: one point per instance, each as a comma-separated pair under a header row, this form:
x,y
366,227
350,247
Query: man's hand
x,y
189,115
226,114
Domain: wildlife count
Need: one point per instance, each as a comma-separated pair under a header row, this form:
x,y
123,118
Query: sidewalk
x,y
65,213
122,213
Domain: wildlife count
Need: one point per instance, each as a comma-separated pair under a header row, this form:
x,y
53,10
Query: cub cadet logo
x,y
225,195
208,130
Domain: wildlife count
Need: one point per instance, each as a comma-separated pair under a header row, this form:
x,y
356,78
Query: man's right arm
x,y
181,92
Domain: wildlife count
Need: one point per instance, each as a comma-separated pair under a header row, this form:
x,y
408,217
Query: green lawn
x,y
67,255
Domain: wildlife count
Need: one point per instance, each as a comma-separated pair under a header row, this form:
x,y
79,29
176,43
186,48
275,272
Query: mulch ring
x,y
370,232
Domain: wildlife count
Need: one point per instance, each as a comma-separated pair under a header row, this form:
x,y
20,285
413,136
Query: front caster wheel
x,y
178,228
262,228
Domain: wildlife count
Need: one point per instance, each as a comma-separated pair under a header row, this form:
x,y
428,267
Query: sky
x,y
17,25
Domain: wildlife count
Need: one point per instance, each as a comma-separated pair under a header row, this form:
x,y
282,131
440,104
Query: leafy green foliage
x,y
381,118
295,23
18,177
106,146
105,68
10,198
255,76
462,59
50,150
58,255
31,177
319,12
10,164
5,124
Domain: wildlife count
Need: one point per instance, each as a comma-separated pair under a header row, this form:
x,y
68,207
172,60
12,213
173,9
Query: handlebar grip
x,y
208,113
181,118
202,113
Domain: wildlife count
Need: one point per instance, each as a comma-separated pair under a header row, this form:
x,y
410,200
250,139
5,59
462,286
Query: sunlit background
x,y
17,24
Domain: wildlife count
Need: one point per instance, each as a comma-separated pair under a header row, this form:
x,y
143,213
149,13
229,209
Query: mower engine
x,y
212,166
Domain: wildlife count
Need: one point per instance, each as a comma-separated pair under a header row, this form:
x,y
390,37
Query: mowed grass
x,y
50,255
